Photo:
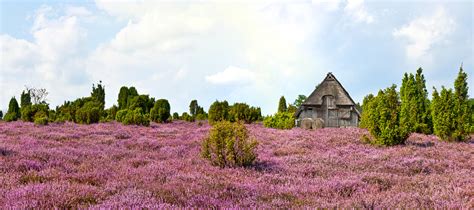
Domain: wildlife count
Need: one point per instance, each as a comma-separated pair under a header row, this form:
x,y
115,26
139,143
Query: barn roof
x,y
329,86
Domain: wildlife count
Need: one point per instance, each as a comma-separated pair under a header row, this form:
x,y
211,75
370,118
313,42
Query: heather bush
x,y
160,111
13,112
89,113
383,120
228,145
219,111
281,120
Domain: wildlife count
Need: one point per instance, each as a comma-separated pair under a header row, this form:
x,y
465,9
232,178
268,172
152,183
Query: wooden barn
x,y
328,106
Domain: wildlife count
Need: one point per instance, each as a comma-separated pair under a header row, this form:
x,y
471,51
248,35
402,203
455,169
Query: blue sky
x,y
240,51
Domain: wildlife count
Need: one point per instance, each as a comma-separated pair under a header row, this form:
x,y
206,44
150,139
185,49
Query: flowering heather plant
x,y
109,165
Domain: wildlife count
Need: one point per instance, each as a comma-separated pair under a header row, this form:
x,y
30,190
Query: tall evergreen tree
x,y
462,110
13,112
122,98
99,93
193,108
282,105
442,113
415,115
25,99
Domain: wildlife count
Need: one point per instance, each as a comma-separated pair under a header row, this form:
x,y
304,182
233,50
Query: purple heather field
x,y
111,165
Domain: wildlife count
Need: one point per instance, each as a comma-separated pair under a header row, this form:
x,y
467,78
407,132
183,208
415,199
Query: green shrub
x,y
160,111
111,113
228,145
136,117
1,115
13,112
89,113
120,116
141,101
41,121
201,116
243,112
28,112
281,120
219,111
383,118
186,117
175,116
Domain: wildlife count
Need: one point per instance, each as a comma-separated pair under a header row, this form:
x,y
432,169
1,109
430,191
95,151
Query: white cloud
x,y
52,59
424,32
77,11
171,44
231,76
357,10
327,5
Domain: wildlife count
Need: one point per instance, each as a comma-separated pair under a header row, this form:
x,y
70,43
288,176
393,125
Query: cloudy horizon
x,y
239,51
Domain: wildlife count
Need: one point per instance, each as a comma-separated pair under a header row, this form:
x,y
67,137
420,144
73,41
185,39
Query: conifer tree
x,y
13,112
193,108
462,110
99,94
282,105
25,99
122,98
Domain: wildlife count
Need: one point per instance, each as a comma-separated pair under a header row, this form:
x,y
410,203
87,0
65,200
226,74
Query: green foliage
x,y
415,114
299,100
1,115
381,118
462,110
122,98
292,108
160,111
219,111
25,99
186,117
141,101
228,145
243,112
31,112
13,112
111,113
120,116
41,121
133,117
281,120
282,105
365,108
98,94
175,116
89,113
452,116
193,107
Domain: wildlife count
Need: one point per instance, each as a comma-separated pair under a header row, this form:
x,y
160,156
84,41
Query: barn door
x,y
331,111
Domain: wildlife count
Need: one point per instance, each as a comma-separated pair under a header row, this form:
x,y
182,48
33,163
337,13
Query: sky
x,y
240,51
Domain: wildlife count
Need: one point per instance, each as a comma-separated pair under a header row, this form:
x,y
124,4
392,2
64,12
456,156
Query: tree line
x,y
391,115
132,109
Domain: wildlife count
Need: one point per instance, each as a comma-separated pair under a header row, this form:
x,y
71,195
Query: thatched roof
x,y
329,86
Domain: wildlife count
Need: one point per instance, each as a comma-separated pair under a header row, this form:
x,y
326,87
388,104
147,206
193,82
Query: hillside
x,y
110,165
